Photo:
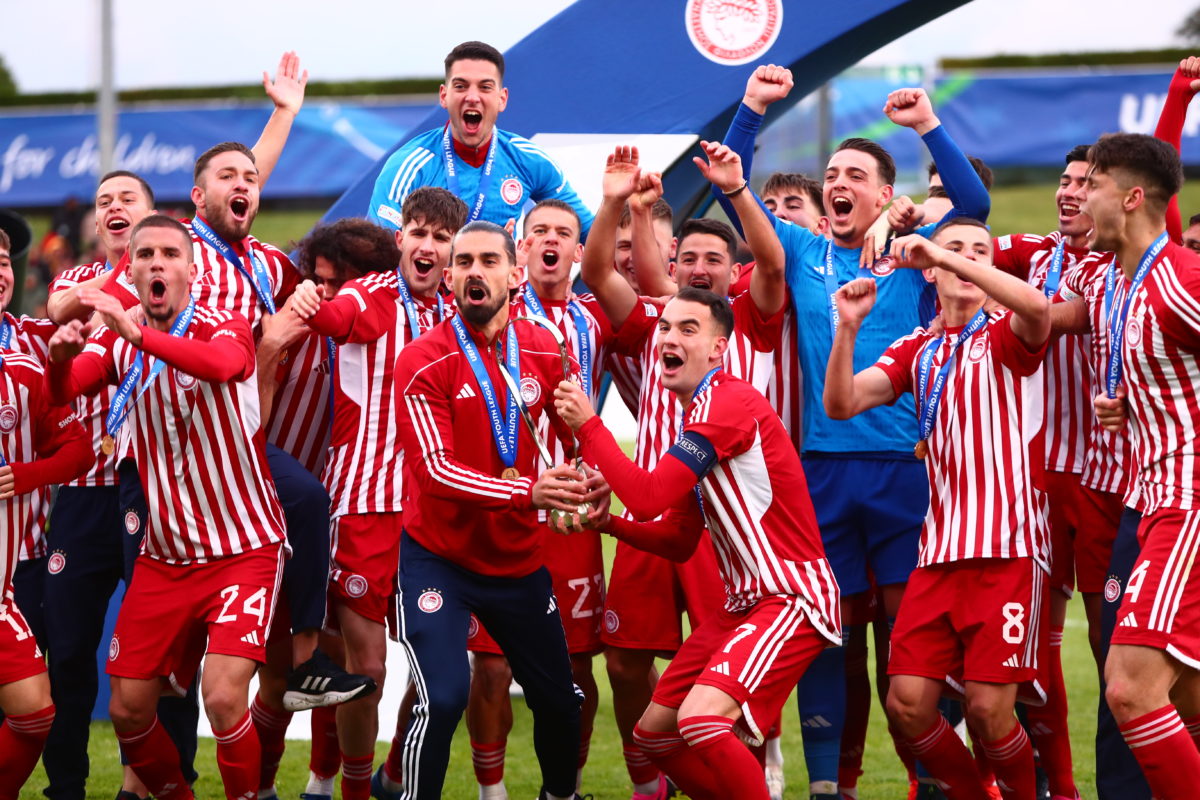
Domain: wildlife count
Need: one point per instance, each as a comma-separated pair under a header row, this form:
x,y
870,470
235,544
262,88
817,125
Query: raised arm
x,y
847,394
653,273
911,108
616,297
287,93
768,287
63,303
1184,85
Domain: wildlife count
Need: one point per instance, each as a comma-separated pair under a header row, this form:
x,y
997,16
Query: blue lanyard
x,y
410,306
1116,321
929,406
120,407
583,339
1054,275
259,279
107,265
504,432
6,335
831,285
705,382
485,181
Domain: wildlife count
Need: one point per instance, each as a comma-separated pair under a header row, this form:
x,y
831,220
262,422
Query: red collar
x,y
475,156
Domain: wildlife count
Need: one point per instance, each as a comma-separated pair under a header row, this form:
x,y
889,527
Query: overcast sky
x,y
53,45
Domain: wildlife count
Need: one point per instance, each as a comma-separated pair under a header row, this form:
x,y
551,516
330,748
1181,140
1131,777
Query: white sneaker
x,y
775,781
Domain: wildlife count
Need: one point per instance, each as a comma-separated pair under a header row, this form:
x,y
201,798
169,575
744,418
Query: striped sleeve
x,y
400,175
1180,289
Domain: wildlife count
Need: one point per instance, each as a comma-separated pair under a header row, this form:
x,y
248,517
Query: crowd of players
x,y
886,417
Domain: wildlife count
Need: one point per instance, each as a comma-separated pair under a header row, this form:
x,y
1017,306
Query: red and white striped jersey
x,y
198,444
1106,457
92,410
751,357
757,506
785,391
31,336
1068,370
1161,357
30,426
364,470
985,459
303,394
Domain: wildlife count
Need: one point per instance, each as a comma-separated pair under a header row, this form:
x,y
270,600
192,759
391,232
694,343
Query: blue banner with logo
x,y
44,158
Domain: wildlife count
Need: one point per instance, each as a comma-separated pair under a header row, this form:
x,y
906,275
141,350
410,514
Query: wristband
x,y
736,191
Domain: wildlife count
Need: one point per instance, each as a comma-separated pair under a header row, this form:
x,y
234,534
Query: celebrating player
x,y
1154,329
193,369
734,469
973,606
492,170
472,542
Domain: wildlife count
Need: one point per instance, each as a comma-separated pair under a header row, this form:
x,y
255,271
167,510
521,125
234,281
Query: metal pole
x,y
106,97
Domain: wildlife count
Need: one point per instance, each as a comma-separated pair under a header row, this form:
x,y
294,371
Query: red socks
x,y
271,726
239,759
155,760
22,737
671,754
949,761
1166,753
1193,728
858,709
1011,759
325,757
1048,723
734,768
641,770
488,760
356,776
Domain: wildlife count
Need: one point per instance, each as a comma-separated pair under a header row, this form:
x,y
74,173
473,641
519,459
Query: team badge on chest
x,y
531,390
512,191
8,418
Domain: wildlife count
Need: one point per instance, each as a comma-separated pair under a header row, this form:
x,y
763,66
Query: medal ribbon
x,y
259,279
583,339
1116,320
120,407
410,306
705,382
831,285
504,432
1054,274
485,181
929,405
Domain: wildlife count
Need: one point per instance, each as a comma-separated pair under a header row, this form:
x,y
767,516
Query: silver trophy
x,y
572,449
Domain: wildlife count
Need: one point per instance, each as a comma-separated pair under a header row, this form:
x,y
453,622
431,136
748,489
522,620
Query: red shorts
x,y
1083,525
1161,605
364,557
755,656
576,565
647,596
173,614
974,620
20,657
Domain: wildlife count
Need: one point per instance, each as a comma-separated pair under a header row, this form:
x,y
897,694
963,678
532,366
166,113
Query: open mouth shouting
x,y
1068,211
423,266
477,293
472,122
158,290
117,225
841,207
239,207
672,363
550,259
701,282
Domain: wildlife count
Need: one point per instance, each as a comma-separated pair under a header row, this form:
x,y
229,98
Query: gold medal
x,y
510,473
107,445
921,450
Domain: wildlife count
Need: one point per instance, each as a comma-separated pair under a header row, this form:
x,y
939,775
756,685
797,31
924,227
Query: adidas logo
x,y
465,392
721,669
252,638
1013,661
315,683
815,722
1130,621
553,605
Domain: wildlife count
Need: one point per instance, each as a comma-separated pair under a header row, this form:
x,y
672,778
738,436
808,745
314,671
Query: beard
x,y
480,315
222,221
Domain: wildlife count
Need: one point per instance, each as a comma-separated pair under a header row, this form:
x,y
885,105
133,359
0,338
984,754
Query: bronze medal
x,y
921,450
510,473
107,445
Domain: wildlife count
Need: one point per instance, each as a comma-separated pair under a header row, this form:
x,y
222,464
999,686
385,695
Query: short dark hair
x,y
216,150
887,165
722,312
483,226
661,210
553,202
475,51
970,222
782,181
436,207
981,169
1146,161
124,173
1077,153
354,246
5,242
713,227
166,222
1194,219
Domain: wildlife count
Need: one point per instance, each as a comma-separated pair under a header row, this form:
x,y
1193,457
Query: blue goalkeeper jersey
x,y
897,313
521,171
